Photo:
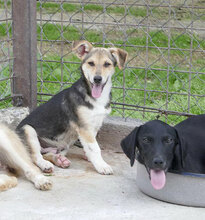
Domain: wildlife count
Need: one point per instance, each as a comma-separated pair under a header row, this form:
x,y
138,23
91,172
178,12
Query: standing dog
x,y
15,156
76,112
162,147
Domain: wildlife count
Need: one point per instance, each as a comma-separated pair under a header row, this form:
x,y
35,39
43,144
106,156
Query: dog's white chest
x,y
94,117
99,112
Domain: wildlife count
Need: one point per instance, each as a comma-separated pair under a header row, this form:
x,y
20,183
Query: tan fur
x,y
95,62
13,153
102,63
120,55
99,57
86,135
77,47
7,182
50,157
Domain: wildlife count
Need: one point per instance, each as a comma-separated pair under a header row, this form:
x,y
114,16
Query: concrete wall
x,y
114,129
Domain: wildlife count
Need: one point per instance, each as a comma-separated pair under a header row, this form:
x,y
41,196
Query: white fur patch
x,y
36,149
43,183
94,117
93,152
92,120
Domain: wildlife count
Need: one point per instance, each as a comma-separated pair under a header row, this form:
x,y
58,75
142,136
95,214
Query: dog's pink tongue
x,y
96,91
158,179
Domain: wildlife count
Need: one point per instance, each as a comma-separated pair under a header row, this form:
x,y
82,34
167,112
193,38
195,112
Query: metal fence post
x,y
25,53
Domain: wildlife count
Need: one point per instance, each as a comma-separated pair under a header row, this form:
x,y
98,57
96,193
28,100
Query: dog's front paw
x,y
43,183
45,166
104,168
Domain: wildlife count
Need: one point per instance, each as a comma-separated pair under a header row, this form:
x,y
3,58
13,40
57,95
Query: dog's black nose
x,y
158,162
98,79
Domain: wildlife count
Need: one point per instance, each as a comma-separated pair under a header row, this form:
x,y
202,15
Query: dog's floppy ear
x,y
120,56
128,145
81,48
181,150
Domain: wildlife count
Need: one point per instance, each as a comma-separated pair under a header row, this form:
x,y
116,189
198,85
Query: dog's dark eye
x,y
168,140
146,140
91,63
106,64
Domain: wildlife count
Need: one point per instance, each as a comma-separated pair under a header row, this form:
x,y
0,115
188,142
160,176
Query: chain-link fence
x,y
6,55
165,73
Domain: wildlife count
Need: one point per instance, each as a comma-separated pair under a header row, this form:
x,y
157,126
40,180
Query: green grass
x,y
3,3
156,80
5,29
136,11
135,78
55,7
53,32
5,91
155,38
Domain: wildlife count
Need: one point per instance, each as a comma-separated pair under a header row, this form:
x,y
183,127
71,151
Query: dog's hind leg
x,y
55,152
13,153
33,142
7,182
93,152
59,160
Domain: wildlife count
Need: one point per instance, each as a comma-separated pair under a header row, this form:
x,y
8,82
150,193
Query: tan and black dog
x,y
76,112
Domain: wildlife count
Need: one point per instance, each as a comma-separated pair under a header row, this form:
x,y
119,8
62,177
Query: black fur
x,y
53,117
180,148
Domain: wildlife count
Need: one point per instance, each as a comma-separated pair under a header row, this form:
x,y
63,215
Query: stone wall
x,y
13,115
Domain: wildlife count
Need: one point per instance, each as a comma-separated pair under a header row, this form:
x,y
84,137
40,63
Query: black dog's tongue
x,y
158,179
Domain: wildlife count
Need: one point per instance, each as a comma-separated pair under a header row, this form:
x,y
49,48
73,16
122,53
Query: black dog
x,y
162,147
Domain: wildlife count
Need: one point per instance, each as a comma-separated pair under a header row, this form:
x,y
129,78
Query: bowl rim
x,y
172,193
200,175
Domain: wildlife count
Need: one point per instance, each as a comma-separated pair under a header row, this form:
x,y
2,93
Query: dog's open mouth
x,y
157,178
97,89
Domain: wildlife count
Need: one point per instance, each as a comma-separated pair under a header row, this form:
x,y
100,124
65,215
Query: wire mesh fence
x,y
165,73
6,56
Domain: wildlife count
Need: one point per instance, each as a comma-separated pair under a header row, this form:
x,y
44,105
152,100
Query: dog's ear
x,y
120,56
81,48
129,145
181,148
